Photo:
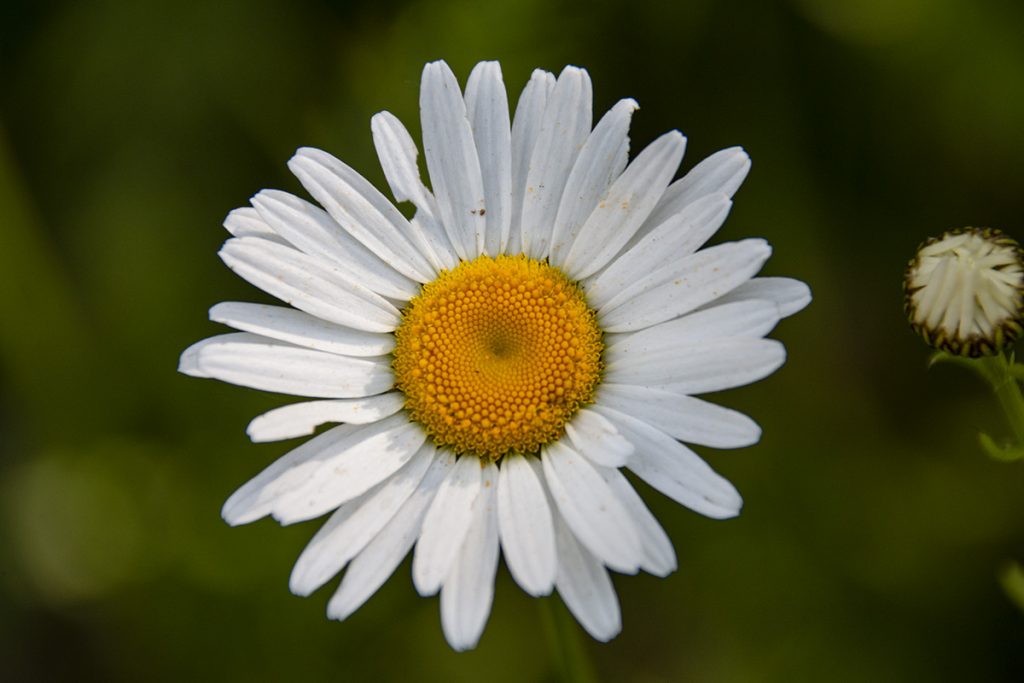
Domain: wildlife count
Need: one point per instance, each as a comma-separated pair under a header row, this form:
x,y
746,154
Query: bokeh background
x,y
874,529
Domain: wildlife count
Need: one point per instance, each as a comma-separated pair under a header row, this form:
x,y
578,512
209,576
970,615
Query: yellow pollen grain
x,y
496,355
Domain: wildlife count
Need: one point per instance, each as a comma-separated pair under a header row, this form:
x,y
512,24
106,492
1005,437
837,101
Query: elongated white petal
x,y
750,319
301,329
309,284
256,498
591,509
382,555
685,418
702,367
596,439
693,270
301,419
252,361
452,160
468,591
586,587
355,523
526,127
361,210
564,129
446,524
721,173
385,447
601,161
623,209
659,556
679,236
246,222
681,287
789,295
313,231
188,362
487,109
675,470
524,521
581,579
398,153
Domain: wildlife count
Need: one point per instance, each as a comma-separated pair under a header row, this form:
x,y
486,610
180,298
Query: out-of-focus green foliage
x,y
874,527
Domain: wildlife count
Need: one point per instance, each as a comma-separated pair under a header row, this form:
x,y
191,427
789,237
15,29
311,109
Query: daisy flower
x,y
964,291
543,322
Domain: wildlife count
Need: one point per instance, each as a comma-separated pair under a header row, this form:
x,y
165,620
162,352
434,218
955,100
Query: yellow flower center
x,y
496,355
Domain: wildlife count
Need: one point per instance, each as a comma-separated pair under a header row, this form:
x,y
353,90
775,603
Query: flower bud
x,y
964,291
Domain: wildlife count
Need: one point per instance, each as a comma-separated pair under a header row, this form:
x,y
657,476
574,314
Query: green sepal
x,y
941,357
1008,453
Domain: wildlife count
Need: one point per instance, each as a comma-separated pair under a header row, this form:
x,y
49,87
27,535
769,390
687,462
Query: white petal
x,y
301,419
601,161
256,498
721,173
257,362
564,129
586,587
750,319
679,236
525,129
301,329
524,520
246,222
452,160
188,362
398,153
659,556
383,448
446,524
596,439
685,418
361,210
355,523
788,294
309,284
675,470
468,591
581,579
591,509
624,207
487,108
313,231
372,567
681,287
701,367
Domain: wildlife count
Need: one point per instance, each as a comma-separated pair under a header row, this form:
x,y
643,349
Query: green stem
x,y
568,652
996,370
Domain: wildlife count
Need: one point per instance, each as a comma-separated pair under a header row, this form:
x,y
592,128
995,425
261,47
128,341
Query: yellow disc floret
x,y
496,355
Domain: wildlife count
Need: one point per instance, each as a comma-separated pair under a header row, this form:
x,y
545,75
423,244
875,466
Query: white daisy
x,y
964,291
543,321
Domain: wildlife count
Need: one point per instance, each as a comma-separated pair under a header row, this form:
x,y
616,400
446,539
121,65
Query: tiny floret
x,y
964,291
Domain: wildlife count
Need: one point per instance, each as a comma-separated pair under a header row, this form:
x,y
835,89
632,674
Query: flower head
x,y
964,291
545,319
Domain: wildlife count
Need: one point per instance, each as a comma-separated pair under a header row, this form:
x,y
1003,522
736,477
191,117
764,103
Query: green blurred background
x,y
874,528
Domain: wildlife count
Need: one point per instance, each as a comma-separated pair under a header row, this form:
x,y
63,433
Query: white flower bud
x,y
965,291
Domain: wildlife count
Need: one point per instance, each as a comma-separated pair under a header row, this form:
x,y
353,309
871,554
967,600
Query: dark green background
x,y
874,528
